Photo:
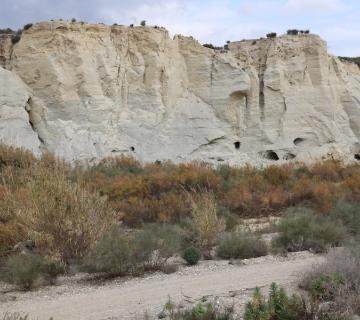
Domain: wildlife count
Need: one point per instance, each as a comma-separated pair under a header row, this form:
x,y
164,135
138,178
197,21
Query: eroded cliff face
x,y
87,91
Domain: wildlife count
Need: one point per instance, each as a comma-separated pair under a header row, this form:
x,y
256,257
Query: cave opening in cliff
x,y
132,148
357,156
271,155
298,141
289,156
237,145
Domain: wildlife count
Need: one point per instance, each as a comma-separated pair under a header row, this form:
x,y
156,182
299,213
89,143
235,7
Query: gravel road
x,y
130,299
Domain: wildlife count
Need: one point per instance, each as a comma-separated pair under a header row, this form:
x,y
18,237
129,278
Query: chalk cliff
x,y
87,91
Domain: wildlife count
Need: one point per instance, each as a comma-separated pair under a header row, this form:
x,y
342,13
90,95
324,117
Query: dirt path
x,y
130,299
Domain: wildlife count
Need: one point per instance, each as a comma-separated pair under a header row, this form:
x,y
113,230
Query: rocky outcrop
x,y
90,91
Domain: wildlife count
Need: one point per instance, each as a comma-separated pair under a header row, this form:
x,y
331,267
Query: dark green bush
x,y
347,213
301,229
15,38
28,26
293,32
113,255
23,270
241,245
271,35
191,255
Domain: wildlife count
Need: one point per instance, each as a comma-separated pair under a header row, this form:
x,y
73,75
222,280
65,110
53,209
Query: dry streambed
x,y
77,299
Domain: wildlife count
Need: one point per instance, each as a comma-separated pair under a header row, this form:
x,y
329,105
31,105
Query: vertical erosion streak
x,y
262,69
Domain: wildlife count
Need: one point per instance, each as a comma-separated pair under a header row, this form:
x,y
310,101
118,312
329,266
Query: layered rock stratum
x,y
84,92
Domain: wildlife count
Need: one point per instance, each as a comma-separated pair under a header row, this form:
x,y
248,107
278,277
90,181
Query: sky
x,y
212,21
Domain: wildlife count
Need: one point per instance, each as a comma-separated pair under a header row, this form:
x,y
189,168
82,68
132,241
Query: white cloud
x,y
213,21
296,7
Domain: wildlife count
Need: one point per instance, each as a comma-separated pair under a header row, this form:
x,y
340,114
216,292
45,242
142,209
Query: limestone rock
x,y
97,90
15,108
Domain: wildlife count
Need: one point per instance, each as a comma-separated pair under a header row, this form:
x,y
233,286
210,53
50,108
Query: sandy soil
x,y
77,299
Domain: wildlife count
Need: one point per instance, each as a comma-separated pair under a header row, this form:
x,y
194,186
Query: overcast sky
x,y
215,21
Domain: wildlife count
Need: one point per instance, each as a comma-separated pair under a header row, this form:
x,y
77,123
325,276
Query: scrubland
x,y
120,218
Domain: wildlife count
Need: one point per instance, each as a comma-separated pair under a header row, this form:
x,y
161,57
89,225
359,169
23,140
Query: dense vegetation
x,y
60,215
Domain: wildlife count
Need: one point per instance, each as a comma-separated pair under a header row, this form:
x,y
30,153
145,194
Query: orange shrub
x,y
10,235
278,175
327,170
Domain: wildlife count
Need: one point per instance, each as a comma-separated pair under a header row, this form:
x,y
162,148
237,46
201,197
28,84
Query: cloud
x,y
211,21
296,7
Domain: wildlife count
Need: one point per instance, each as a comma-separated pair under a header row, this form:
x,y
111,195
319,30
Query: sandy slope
x,y
130,299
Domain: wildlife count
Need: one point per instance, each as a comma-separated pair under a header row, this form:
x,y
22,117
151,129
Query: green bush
x,y
191,255
51,269
28,26
118,254
200,311
347,213
278,306
156,244
113,255
325,286
301,229
241,245
23,270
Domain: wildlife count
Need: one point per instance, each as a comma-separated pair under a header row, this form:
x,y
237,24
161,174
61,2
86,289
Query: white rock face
x,y
15,103
90,91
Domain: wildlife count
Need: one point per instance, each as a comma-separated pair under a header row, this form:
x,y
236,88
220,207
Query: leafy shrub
x,y
23,270
143,23
278,306
28,26
51,269
7,31
16,38
326,286
191,255
113,255
118,254
200,311
156,244
271,35
241,245
301,230
206,222
293,32
347,213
